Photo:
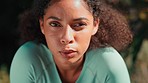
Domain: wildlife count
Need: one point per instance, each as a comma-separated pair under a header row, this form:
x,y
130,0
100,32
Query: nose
x,y
67,36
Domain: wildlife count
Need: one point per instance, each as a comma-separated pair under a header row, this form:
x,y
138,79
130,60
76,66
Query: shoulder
x,y
28,62
29,46
103,58
26,51
109,57
106,55
108,64
32,53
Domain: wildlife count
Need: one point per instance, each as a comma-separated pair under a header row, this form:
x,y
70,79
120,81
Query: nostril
x,y
71,41
63,41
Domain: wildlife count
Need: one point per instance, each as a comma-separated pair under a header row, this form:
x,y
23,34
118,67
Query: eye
x,y
55,24
79,26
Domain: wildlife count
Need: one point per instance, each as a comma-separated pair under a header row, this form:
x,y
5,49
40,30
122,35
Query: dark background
x,y
9,36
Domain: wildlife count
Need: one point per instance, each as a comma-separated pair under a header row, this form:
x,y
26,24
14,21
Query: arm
x,y
21,68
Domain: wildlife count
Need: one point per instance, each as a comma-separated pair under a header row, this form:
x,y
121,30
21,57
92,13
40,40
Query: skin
x,y
68,27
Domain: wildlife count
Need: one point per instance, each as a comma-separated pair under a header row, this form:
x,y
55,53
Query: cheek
x,y
51,37
84,40
53,45
84,36
51,40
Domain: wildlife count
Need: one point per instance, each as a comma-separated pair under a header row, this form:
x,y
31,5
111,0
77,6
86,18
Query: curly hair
x,y
113,29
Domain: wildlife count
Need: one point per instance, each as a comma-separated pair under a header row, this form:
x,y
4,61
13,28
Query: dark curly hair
x,y
113,29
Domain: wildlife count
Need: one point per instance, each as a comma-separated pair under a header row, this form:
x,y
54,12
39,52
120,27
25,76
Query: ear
x,y
41,25
96,26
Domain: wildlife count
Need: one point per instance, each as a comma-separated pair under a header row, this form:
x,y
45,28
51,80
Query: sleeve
x,y
22,70
117,70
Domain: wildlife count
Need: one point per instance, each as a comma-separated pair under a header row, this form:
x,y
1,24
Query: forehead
x,y
68,7
68,1
75,3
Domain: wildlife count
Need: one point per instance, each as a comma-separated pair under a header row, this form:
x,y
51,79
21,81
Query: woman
x,y
71,41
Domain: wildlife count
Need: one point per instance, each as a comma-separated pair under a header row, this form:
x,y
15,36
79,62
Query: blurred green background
x,y
136,56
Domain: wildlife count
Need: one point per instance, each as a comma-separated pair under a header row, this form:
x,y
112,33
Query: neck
x,y
70,73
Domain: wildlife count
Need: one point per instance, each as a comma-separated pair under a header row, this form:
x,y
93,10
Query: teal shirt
x,y
33,63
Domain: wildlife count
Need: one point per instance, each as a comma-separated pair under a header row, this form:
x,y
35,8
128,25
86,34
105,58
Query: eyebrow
x,y
77,19
81,18
54,18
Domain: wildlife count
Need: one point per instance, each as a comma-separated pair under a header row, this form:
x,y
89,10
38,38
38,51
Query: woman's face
x,y
68,27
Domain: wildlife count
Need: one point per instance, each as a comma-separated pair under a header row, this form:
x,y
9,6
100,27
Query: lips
x,y
68,53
